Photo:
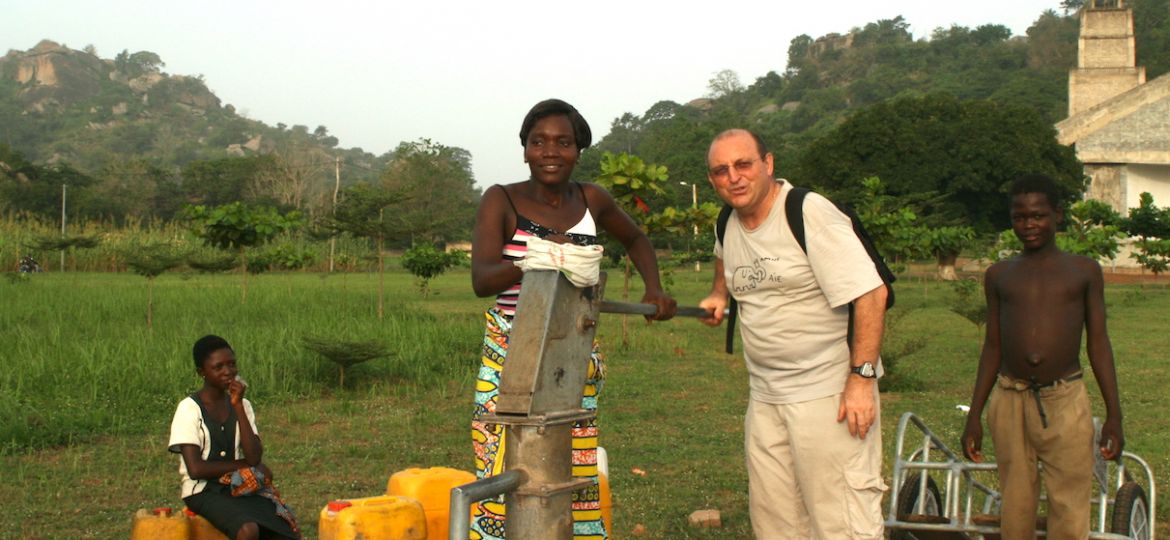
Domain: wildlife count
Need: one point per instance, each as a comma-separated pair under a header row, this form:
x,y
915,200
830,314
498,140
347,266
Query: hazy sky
x,y
464,73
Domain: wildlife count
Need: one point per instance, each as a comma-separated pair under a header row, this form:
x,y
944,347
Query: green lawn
x,y
87,397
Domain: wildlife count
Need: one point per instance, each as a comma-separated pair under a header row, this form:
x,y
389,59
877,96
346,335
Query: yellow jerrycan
x,y
383,517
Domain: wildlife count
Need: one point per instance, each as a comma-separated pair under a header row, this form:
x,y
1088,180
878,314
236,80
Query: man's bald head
x,y
760,147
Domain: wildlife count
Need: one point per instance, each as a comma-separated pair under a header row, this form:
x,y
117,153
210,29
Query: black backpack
x,y
794,211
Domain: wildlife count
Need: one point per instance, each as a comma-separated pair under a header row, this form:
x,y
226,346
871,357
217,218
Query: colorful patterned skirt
x,y
487,521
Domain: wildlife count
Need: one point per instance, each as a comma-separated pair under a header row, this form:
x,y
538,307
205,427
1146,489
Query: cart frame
x,y
954,509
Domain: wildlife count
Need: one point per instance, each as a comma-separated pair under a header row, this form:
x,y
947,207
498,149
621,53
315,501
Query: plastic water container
x,y
201,529
159,524
432,488
383,517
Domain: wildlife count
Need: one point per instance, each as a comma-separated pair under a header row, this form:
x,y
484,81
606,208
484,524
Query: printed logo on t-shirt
x,y
749,278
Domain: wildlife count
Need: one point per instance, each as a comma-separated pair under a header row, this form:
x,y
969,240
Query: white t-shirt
x,y
793,307
187,428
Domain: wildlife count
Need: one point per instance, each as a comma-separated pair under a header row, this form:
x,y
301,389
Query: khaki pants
x,y
1065,448
808,477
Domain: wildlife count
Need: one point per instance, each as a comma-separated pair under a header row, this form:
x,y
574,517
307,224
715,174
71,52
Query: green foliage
x,y
630,180
1092,229
361,211
1147,220
891,223
211,263
1153,254
425,262
1152,225
969,303
238,225
948,241
435,193
345,354
968,150
1151,27
58,243
1006,246
290,257
151,260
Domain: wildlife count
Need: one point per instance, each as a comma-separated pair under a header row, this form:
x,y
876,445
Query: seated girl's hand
x,y
236,390
666,305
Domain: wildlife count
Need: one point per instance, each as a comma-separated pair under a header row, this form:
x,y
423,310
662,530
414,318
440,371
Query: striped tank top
x,y
584,233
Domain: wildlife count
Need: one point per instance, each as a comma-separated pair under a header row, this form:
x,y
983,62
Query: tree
x,y
361,211
723,83
630,180
435,192
238,226
150,261
345,353
1151,28
222,181
1092,229
425,262
1152,225
293,175
946,243
27,187
64,243
969,150
891,223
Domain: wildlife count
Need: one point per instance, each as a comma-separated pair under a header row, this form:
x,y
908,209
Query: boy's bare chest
x,y
1041,287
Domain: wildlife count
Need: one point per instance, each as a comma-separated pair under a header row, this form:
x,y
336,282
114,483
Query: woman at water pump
x,y
552,207
214,430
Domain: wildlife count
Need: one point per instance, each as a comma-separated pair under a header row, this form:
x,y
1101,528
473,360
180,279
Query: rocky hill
x,y
60,105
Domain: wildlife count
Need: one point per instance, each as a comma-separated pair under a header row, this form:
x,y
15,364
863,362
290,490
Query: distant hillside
x,y
827,79
59,105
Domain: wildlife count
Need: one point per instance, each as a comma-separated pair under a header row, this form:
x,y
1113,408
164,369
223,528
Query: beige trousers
x,y
808,477
1065,448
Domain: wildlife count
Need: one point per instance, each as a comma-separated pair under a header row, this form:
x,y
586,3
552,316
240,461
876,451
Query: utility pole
x,y
62,267
336,187
695,205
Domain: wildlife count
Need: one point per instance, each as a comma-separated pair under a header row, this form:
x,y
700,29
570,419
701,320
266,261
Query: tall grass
x,y
19,231
81,360
81,368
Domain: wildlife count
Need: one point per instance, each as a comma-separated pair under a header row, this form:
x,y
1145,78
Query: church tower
x,y
1106,59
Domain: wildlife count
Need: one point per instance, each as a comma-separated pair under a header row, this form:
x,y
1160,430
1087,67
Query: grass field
x,y
88,392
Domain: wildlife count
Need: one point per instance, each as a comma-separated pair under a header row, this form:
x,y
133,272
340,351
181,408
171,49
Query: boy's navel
x,y
1035,359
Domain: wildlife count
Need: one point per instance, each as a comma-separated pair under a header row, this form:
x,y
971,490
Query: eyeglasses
x,y
723,172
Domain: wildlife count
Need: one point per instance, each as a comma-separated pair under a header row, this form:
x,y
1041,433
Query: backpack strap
x,y
794,212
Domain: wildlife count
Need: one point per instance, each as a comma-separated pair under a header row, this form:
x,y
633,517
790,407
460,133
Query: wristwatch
x,y
866,370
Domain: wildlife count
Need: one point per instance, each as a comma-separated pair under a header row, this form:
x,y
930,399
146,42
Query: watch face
x,y
866,370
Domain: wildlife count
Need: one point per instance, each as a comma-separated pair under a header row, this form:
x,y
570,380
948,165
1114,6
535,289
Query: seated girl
x,y
224,479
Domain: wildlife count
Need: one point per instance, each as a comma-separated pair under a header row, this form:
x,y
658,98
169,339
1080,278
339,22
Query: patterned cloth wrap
x,y
249,481
487,521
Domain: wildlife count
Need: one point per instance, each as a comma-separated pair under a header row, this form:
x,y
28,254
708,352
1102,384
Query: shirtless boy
x,y
1038,303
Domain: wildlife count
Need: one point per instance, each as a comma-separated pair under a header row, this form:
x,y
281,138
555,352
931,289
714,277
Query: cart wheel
x,y
1131,512
908,495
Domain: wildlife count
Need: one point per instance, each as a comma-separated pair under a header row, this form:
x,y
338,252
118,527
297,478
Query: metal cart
x,y
967,507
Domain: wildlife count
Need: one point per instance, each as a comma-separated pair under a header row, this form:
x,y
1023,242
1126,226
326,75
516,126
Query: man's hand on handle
x,y
716,304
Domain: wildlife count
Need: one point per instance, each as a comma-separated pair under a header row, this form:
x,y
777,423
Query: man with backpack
x,y
811,316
